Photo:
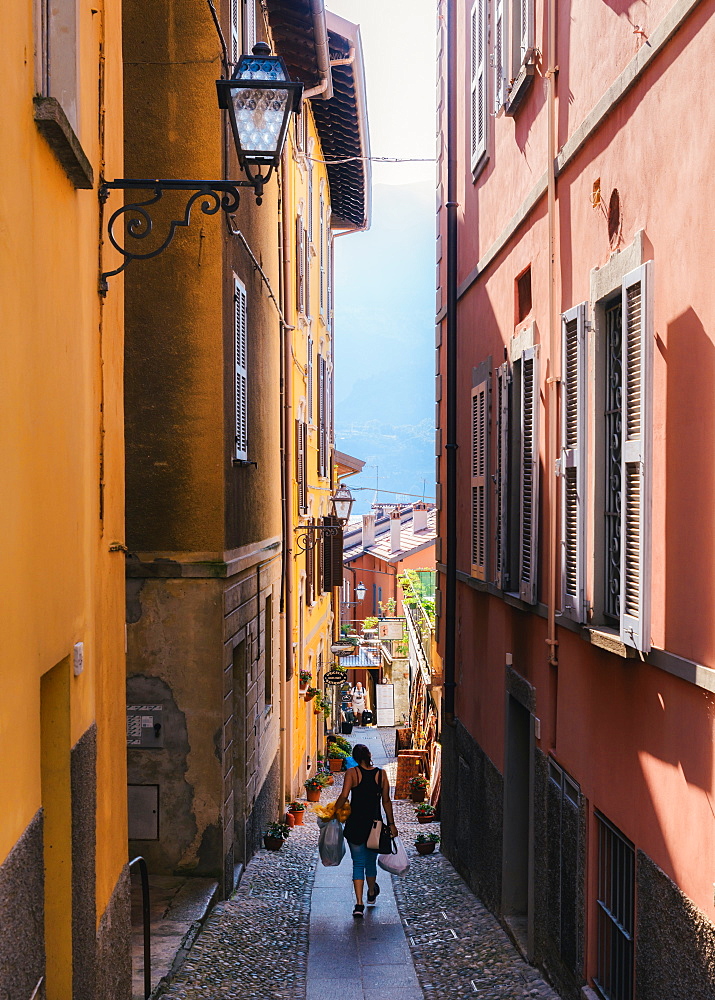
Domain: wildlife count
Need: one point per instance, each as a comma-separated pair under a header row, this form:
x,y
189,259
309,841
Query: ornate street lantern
x,y
360,591
260,98
342,501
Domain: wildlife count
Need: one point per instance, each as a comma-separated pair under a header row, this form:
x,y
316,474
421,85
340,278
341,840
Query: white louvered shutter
x,y
310,379
526,29
300,265
498,55
480,472
529,507
636,456
240,339
478,108
306,272
249,25
500,477
573,460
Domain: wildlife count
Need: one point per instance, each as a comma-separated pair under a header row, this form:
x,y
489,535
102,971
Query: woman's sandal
x,y
372,897
359,910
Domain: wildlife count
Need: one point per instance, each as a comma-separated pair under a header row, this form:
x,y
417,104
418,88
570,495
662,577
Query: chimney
x,y
395,526
368,530
419,516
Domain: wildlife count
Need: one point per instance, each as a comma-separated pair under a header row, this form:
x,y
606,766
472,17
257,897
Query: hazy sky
x,y
398,38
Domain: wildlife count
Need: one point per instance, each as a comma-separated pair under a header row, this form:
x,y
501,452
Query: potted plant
x,y
275,835
336,757
311,693
418,787
313,788
305,679
324,772
426,842
425,812
297,809
318,704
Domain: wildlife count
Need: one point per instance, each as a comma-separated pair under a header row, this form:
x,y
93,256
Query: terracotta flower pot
x,y
336,764
418,794
273,843
312,794
290,819
425,848
425,819
309,697
297,816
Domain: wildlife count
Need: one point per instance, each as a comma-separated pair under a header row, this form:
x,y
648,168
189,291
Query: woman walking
x,y
369,785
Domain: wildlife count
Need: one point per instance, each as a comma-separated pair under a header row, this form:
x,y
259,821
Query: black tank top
x,y
364,806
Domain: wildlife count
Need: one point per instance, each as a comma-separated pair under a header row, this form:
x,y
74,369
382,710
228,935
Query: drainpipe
x,y
324,87
286,478
554,377
451,352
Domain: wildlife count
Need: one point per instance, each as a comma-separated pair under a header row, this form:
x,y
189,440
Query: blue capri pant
x,y
364,861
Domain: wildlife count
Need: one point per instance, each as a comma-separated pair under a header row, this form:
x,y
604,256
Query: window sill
x,y
610,640
479,166
519,88
52,122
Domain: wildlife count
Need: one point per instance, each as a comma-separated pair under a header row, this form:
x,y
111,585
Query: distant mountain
x,y
384,342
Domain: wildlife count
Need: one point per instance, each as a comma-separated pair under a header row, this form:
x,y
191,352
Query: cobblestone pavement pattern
x,y
255,945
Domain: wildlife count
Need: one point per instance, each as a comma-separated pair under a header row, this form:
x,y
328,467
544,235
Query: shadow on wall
x,y
690,489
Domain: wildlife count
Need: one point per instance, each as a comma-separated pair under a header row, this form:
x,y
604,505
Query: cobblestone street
x,y
269,943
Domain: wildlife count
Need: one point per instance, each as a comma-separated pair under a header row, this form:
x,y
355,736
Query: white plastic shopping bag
x,y
331,844
395,864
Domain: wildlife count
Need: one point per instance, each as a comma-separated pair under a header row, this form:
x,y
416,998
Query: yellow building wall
x,y
62,440
312,635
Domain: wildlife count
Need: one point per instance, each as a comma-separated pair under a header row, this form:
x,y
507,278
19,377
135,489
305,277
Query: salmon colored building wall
x,y
634,731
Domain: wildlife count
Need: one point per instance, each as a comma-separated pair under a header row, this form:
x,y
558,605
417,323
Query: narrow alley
x,y
288,928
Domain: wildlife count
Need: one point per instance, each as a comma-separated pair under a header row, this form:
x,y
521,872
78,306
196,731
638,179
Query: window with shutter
x,y
300,265
573,460
480,465
525,21
310,572
333,556
301,440
529,506
322,256
235,45
306,273
498,56
478,98
310,379
249,25
501,571
636,457
240,341
322,417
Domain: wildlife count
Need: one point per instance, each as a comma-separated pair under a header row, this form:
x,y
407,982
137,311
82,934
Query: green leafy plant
x,y
278,830
336,753
402,649
342,743
296,807
370,622
311,692
427,838
418,781
305,676
424,809
314,784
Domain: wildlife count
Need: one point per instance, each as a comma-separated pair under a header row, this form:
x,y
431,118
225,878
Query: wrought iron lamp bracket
x,y
212,196
306,535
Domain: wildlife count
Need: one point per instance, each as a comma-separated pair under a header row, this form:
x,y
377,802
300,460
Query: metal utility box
x,y
145,728
143,810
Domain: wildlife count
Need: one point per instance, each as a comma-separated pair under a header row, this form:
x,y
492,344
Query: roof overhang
x,y
300,36
343,128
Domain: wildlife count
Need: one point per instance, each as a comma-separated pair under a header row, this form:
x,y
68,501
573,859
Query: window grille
x,y
616,907
613,438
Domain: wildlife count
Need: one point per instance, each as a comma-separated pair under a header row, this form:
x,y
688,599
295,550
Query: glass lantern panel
x,y
259,118
253,68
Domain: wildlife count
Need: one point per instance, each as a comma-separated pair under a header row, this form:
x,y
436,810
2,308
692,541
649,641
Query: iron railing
x,y
421,621
146,920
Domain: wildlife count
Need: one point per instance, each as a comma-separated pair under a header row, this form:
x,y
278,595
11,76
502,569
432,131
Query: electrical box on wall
x,y
145,728
143,801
